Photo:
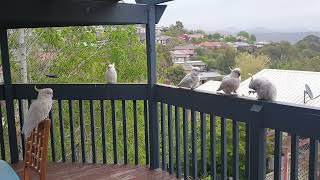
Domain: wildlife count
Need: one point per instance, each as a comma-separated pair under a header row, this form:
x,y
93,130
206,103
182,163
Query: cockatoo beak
x,y
250,76
35,88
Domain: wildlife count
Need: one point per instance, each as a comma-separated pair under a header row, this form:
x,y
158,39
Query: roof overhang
x,y
152,1
55,13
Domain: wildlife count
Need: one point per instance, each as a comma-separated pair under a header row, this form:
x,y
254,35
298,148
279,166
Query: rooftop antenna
x,y
308,92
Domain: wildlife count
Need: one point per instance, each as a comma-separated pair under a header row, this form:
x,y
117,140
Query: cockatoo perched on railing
x,y
38,110
264,88
111,74
192,79
231,82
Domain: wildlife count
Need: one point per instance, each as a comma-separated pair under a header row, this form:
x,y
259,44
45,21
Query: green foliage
x,y
215,36
225,59
251,64
230,38
175,74
244,34
280,53
163,61
175,30
252,39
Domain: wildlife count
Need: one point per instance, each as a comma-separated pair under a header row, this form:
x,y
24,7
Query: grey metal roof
x,y
290,85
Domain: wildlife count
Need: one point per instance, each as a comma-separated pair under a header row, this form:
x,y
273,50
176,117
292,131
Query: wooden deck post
x,y
8,92
152,79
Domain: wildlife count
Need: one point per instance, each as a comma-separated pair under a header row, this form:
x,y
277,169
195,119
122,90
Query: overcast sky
x,y
210,15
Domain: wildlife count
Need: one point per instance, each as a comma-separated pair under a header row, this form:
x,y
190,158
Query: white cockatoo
x,y
264,88
38,110
111,74
192,79
231,82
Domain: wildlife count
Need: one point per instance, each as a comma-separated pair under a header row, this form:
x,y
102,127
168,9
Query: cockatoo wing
x,y
186,81
111,76
38,111
223,83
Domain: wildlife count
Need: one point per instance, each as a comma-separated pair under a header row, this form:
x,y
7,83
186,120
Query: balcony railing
x,y
100,123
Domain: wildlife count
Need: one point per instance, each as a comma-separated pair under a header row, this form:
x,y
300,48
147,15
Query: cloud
x,y
243,14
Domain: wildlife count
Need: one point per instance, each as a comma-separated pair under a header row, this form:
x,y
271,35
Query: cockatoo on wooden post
x,y
192,79
111,74
231,82
38,110
264,88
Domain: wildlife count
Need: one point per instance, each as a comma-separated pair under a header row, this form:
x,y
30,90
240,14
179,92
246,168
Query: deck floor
x,y
72,171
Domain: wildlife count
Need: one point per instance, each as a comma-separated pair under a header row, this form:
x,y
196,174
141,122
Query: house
x,y
184,37
189,37
195,36
141,31
261,44
164,40
183,53
187,65
213,45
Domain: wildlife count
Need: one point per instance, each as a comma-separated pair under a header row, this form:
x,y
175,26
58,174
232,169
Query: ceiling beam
x,y
60,13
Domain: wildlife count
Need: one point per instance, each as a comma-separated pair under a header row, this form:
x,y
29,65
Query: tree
x,y
175,30
244,34
215,36
225,59
280,53
249,63
230,38
175,74
252,39
163,61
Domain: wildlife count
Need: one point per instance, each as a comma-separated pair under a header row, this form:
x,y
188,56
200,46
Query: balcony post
x,y
8,92
152,79
257,145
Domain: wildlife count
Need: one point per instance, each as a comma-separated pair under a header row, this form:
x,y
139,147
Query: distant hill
x,y
311,42
278,36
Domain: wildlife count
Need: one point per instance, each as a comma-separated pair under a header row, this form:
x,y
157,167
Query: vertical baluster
x,y
170,138
21,115
3,150
235,150
124,124
247,152
93,132
178,162
52,137
61,120
82,132
114,132
294,157
103,133
185,144
73,148
135,131
313,159
277,155
194,144
146,130
203,145
213,146
163,140
224,148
